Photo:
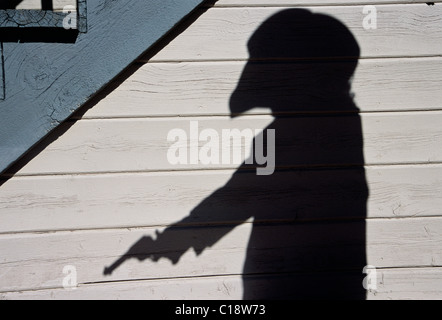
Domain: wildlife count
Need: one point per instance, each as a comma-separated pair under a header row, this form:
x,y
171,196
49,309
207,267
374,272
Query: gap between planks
x,y
6,176
147,228
286,4
215,277
252,115
228,171
255,114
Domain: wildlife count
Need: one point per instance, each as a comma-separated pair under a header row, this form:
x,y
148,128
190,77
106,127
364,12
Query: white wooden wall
x,y
104,183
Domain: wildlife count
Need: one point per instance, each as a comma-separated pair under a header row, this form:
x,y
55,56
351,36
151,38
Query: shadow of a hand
x,y
146,248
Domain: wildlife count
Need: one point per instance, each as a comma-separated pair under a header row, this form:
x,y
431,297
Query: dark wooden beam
x,y
46,82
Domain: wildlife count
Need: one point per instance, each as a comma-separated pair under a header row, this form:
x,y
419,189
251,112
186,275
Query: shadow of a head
x,y
299,62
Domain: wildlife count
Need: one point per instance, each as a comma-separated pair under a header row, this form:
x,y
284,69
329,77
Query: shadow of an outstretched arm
x,y
206,225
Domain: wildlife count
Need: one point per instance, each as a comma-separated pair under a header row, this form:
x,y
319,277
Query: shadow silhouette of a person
x,y
308,237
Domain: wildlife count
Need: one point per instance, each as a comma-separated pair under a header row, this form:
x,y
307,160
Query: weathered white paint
x,y
222,33
406,284
289,3
38,204
204,88
122,145
36,4
59,4
94,191
32,261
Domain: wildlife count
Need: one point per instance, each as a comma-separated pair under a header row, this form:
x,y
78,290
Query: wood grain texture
x,y
36,261
392,284
205,88
31,19
47,82
43,204
105,182
59,4
399,32
124,145
290,3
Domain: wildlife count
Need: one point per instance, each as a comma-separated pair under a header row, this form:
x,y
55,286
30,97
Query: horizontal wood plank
x,y
37,204
144,200
223,33
289,3
59,4
92,146
392,284
162,89
37,261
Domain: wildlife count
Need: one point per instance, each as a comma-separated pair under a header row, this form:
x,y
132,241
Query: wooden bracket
x,y
51,72
11,18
